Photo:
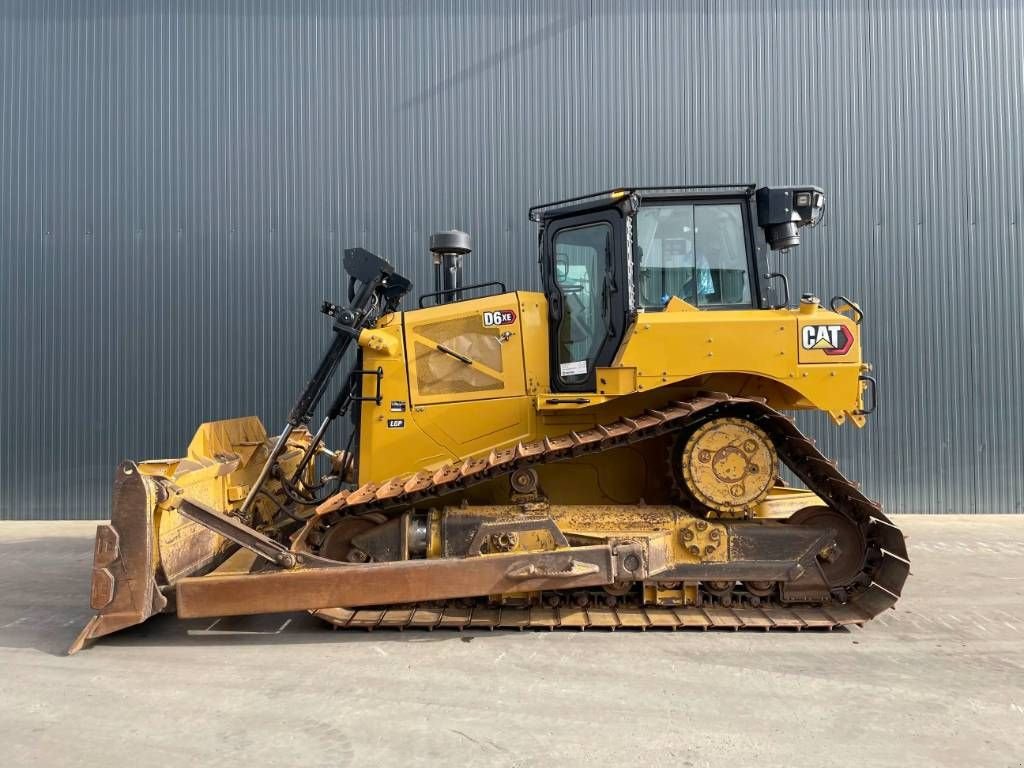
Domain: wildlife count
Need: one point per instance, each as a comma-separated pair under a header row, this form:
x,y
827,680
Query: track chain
x,y
595,617
875,589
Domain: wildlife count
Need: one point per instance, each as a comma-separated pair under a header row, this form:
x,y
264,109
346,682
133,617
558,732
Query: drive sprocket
x,y
726,465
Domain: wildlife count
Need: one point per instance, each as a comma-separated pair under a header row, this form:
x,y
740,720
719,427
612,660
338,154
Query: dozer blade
x,y
149,545
124,588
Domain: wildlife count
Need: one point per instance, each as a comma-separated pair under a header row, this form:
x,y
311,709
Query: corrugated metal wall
x,y
178,179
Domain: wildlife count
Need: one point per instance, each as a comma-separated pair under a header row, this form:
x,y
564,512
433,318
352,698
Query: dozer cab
x,y
606,453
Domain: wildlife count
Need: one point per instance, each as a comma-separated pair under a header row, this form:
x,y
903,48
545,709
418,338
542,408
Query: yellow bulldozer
x,y
607,453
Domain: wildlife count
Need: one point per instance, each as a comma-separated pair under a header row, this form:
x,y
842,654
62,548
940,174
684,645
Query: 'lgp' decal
x,y
831,339
499,317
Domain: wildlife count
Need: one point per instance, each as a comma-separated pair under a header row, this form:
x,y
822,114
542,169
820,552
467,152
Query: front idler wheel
x,y
842,556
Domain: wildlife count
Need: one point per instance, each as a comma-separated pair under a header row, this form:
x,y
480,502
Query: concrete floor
x,y
940,681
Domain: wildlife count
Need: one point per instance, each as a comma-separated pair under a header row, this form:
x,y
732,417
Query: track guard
x,y
124,589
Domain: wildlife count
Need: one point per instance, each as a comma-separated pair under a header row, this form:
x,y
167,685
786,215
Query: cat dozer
x,y
605,454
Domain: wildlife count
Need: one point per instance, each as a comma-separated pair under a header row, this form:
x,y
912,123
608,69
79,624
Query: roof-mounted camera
x,y
783,211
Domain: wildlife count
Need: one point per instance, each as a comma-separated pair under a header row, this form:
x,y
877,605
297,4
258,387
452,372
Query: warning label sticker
x,y
573,369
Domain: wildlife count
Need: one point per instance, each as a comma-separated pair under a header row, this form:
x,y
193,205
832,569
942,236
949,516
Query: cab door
x,y
585,275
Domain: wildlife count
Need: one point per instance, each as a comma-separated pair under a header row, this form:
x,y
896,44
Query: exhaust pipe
x,y
448,249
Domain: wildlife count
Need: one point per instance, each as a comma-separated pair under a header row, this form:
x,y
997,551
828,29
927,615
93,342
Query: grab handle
x,y
839,304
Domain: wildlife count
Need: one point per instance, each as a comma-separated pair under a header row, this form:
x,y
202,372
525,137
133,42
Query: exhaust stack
x,y
448,249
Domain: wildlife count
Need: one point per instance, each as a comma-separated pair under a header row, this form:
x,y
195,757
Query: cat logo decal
x,y
831,339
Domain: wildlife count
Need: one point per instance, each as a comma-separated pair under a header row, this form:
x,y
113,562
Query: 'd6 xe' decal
x,y
831,339
499,317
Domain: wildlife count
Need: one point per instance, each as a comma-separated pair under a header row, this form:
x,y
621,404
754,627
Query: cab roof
x,y
545,211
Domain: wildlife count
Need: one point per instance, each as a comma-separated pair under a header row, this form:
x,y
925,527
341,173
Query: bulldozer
x,y
611,452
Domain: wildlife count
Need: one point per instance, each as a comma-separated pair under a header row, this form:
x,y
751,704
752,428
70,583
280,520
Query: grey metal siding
x,y
177,181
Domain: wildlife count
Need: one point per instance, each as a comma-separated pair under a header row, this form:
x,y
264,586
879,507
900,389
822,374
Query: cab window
x,y
581,263
697,252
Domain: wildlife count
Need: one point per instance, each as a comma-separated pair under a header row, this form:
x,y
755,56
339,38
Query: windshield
x,y
697,252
